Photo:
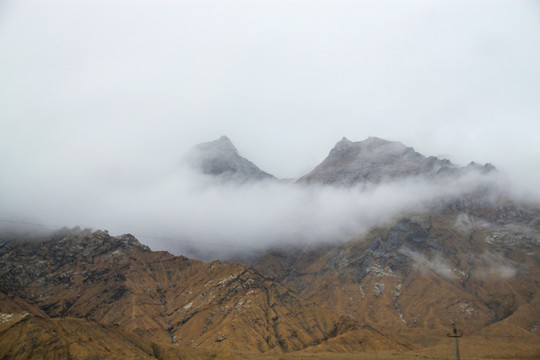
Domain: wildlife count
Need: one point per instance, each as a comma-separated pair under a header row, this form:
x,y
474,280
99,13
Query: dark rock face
x,y
375,160
220,158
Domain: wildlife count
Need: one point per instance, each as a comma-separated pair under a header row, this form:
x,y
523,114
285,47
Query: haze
x,y
100,100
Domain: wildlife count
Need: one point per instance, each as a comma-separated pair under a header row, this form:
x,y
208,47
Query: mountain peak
x,y
343,144
373,160
374,139
371,142
225,141
484,169
220,158
223,144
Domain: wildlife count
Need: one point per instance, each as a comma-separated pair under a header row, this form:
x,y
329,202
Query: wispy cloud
x,y
437,264
186,209
494,266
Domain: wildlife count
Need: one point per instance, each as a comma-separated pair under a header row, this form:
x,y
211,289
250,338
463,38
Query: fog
x,y
494,266
189,213
99,101
437,264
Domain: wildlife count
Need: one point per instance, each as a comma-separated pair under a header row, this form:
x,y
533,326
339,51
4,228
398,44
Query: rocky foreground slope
x,y
171,300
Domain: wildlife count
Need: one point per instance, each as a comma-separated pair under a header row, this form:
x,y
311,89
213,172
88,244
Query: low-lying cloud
x,y
493,266
436,264
93,116
193,214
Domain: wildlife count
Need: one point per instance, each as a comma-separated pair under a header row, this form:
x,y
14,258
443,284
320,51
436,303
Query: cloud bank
x,y
185,211
437,264
98,99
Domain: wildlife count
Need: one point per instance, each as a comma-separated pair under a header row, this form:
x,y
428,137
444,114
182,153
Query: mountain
x,y
68,338
375,160
477,262
472,258
118,282
219,158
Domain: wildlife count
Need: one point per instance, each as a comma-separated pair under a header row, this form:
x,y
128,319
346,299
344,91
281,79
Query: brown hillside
x,y
40,337
171,300
413,275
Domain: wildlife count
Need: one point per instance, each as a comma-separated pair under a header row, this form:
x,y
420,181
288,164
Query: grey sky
x,y
99,96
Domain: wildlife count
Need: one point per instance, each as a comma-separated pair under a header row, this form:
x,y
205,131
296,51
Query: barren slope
x,y
415,274
170,299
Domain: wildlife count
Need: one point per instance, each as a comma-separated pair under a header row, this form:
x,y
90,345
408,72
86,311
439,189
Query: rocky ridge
x,y
375,160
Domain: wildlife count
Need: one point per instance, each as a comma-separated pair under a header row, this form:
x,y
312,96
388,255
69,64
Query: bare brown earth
x,y
114,285
36,337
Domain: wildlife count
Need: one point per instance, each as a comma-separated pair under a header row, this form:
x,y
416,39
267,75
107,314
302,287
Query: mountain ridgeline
x,y
373,160
472,258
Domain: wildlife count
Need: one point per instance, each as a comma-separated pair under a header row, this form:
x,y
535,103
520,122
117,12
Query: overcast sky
x,y
99,96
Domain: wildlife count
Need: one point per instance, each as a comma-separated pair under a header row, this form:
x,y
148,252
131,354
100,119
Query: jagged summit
x,y
374,160
223,144
484,169
370,144
220,158
343,143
